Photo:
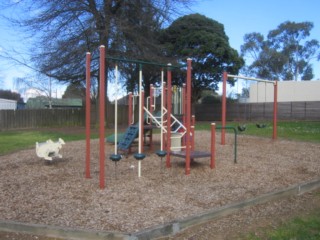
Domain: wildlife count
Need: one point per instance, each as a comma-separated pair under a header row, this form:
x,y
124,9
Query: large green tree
x,y
285,54
75,90
206,43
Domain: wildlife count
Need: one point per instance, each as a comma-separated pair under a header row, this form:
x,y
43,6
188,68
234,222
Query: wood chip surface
x,y
57,193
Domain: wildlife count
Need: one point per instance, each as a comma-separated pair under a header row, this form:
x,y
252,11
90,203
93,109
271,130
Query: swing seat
x,y
261,125
115,157
242,128
139,156
161,153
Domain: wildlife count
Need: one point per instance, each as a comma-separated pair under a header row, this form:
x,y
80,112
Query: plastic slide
x,y
125,139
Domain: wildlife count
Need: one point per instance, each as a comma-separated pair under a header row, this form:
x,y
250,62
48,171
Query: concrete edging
x,y
60,232
160,230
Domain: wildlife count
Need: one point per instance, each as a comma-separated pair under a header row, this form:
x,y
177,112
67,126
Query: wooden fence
x,y
257,111
34,118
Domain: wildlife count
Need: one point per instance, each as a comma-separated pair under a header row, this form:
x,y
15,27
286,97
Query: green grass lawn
x,y
295,130
11,141
306,227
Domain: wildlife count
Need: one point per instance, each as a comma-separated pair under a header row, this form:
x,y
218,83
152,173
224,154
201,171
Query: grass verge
x,y
15,140
11,141
307,227
295,130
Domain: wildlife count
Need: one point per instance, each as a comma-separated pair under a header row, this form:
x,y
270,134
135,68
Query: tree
x,y
65,30
7,94
40,85
205,42
285,54
75,90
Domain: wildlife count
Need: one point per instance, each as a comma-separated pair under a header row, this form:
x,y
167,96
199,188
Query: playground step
x,y
129,136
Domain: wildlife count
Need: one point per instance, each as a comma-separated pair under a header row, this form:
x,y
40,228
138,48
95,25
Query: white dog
x,y
49,149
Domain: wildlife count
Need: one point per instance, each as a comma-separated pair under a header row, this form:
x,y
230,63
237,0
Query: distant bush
x,y
215,99
211,99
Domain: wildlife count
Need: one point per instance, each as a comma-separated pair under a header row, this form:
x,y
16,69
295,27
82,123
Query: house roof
x,y
7,104
7,100
43,102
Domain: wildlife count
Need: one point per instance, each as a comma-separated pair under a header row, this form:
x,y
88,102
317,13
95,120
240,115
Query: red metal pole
x,y
224,108
169,109
102,95
130,108
213,146
275,109
88,111
188,117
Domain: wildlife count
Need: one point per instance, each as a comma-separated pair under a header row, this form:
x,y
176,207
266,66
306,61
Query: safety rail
x,y
180,125
158,124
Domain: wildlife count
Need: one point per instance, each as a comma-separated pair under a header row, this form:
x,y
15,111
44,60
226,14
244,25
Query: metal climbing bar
x,y
180,124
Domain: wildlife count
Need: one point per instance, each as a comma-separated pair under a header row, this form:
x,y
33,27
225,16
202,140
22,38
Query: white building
x,y
288,91
6,104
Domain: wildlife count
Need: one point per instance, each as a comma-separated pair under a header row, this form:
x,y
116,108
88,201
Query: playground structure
x,y
225,76
166,121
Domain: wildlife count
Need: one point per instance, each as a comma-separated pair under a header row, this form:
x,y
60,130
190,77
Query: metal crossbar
x,y
250,78
121,59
